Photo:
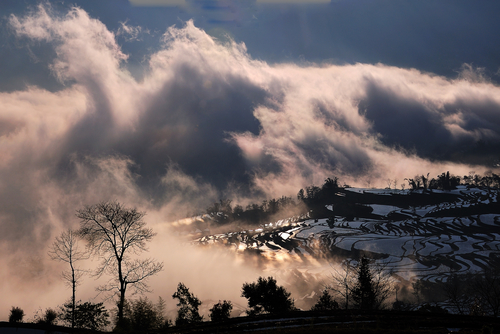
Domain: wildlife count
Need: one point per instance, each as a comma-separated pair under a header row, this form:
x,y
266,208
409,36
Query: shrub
x,y
48,318
87,315
16,314
221,311
325,303
428,308
143,315
399,305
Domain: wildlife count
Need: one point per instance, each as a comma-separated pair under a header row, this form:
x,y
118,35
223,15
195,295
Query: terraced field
x,y
420,241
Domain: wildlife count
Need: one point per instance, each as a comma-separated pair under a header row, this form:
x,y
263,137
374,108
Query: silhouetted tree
x,y
412,184
221,311
447,181
325,303
372,287
363,292
330,187
113,233
16,314
188,305
221,211
425,180
312,193
300,195
265,296
237,212
65,248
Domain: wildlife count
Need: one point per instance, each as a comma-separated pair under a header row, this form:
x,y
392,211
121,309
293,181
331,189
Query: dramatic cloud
x,y
206,120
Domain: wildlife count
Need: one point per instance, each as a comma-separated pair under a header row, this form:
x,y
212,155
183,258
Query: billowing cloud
x,y
207,118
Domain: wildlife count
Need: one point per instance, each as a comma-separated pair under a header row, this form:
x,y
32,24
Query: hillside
x,y
412,234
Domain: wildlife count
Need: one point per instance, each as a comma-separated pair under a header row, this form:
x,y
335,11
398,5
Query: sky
x,y
170,105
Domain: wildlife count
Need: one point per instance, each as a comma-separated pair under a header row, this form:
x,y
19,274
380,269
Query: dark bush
x,y
142,315
428,308
48,318
16,314
325,303
221,311
87,315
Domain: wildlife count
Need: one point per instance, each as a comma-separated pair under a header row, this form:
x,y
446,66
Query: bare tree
x,y
457,290
354,279
343,281
486,287
116,233
65,249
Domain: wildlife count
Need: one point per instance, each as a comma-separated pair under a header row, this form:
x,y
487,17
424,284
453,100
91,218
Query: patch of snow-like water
x,y
284,235
432,246
290,231
345,231
308,232
488,219
422,211
383,210
385,245
387,192
346,242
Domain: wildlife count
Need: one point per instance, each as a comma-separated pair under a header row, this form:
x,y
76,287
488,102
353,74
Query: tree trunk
x,y
123,287
73,298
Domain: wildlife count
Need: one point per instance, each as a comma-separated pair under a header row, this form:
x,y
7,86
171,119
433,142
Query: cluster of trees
x,y
313,194
357,285
263,296
223,213
361,286
447,181
142,315
315,197
115,234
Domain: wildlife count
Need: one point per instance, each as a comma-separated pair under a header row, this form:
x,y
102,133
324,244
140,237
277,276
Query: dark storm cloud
x,y
188,122
436,131
405,122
